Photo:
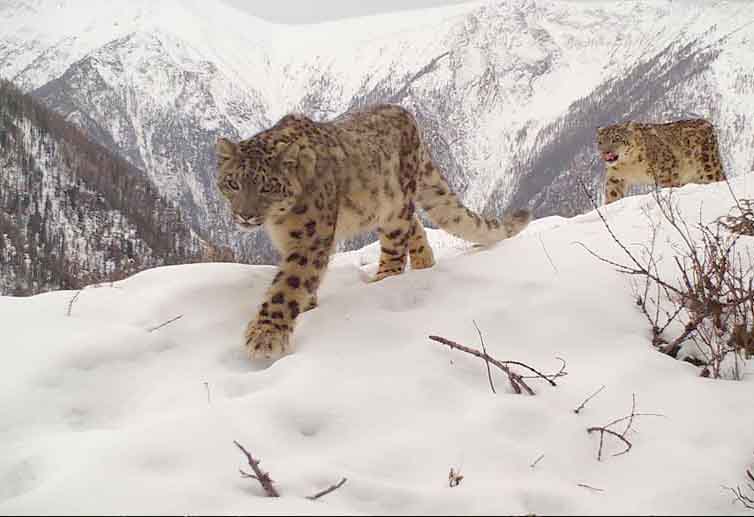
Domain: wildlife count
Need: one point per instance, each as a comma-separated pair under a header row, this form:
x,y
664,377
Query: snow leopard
x,y
313,183
668,155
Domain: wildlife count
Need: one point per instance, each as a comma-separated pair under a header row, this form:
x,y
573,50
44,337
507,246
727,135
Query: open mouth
x,y
610,157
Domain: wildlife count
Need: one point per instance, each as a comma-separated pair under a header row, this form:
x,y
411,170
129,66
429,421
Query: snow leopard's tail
x,y
446,211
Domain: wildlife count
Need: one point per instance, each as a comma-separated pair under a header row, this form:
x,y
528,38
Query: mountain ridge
x,y
71,213
496,86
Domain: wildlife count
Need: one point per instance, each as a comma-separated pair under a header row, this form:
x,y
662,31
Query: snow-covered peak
x,y
275,58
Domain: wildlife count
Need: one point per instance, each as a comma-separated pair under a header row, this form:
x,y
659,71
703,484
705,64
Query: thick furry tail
x,y
446,211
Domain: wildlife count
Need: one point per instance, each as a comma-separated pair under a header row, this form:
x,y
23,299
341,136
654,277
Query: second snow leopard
x,y
667,155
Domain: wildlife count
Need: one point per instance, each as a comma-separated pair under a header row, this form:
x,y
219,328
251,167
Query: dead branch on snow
x,y
261,476
326,491
168,322
454,478
517,381
621,436
590,397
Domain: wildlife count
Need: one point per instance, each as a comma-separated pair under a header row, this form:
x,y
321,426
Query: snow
x,y
99,415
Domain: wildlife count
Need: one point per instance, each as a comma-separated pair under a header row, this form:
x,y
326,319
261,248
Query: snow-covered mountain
x,y
73,213
509,93
102,414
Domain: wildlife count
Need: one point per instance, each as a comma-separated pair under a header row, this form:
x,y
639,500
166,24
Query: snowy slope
x,y
99,415
508,93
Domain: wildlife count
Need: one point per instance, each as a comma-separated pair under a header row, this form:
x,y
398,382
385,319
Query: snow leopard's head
x,y
259,178
616,142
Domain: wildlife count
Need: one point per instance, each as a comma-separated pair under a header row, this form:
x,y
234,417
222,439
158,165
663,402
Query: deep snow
x,y
98,415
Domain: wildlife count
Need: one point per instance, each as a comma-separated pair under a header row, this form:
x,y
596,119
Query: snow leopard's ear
x,y
298,162
307,162
226,149
288,157
298,165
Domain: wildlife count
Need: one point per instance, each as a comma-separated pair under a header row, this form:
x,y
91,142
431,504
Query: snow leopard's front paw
x,y
264,341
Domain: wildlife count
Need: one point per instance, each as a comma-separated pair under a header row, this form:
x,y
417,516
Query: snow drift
x,y
98,414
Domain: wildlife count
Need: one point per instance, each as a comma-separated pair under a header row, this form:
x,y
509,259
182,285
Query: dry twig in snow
x,y
72,301
590,397
518,382
454,478
584,485
743,223
605,429
486,360
746,499
326,491
259,475
547,253
712,299
165,323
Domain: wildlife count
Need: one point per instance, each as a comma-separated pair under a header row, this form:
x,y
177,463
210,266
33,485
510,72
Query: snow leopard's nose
x,y
247,219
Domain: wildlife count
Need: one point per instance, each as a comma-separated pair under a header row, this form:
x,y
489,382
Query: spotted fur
x,y
314,183
667,155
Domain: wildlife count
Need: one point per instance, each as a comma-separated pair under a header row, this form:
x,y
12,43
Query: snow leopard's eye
x,y
232,184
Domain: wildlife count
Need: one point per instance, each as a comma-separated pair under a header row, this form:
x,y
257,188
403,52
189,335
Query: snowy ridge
x,y
99,415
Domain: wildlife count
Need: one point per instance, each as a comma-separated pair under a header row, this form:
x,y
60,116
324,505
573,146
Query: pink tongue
x,y
609,156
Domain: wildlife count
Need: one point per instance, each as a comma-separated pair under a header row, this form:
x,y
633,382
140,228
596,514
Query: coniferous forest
x,y
72,213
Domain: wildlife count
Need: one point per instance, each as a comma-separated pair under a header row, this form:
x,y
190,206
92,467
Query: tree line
x,y
72,212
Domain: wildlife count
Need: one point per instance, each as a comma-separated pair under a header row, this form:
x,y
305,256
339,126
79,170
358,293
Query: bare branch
x,y
713,295
539,375
514,378
626,270
560,373
584,485
631,416
547,253
486,356
590,397
259,475
602,431
518,383
165,323
72,301
605,429
326,491
639,268
743,223
747,499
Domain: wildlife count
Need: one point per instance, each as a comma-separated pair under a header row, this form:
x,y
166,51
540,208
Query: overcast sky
x,y
314,11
